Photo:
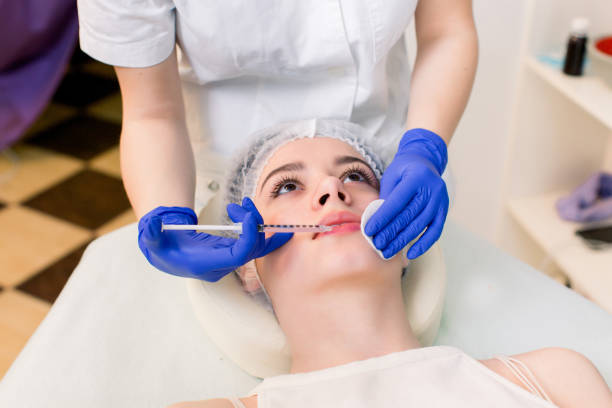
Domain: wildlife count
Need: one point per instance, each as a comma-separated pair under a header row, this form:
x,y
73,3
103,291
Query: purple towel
x,y
37,38
591,201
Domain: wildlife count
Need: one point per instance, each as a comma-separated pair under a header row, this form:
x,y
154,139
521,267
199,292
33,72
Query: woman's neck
x,y
345,324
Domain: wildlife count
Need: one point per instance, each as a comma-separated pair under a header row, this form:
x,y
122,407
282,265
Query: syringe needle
x,y
292,228
238,227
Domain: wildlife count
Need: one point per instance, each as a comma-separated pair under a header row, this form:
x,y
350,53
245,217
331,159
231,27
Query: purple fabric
x,y
37,38
591,201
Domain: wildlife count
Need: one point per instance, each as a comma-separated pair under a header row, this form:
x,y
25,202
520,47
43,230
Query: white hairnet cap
x,y
250,161
244,172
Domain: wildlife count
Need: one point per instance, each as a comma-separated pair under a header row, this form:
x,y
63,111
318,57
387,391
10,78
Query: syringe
x,y
260,227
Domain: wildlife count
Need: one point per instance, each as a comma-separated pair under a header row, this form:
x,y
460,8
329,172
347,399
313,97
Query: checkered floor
x,y
60,188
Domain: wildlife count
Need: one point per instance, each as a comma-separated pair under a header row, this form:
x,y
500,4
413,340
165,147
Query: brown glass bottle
x,y
576,48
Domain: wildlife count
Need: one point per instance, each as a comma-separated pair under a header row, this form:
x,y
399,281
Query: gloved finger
x,y
236,212
431,235
392,207
151,234
405,218
412,230
275,241
244,246
387,185
248,204
175,217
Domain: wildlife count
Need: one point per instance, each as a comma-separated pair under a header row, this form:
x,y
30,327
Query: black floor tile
x,y
48,283
83,137
79,58
80,89
89,199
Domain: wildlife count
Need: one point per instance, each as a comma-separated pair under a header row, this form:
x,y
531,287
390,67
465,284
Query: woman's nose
x,y
331,189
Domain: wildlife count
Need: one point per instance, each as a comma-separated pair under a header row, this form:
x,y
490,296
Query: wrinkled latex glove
x,y
591,201
415,196
203,256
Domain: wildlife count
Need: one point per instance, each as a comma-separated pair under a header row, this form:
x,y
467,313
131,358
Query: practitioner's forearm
x,y
443,76
157,164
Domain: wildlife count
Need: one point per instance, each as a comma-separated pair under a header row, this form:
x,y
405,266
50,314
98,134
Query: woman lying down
x,y
340,304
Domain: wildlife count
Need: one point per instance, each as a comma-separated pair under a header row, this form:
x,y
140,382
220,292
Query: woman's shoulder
x,y
565,375
249,402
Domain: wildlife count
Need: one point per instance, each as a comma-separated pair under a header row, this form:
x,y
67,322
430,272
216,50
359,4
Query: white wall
x,y
551,21
478,149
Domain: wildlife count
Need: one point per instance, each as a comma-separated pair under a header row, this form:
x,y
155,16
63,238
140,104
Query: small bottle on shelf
x,y
576,47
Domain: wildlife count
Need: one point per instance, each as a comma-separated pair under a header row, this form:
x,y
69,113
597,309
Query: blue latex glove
x,y
203,256
415,196
591,201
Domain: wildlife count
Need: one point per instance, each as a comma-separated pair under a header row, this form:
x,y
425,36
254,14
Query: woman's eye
x,y
286,188
284,185
355,176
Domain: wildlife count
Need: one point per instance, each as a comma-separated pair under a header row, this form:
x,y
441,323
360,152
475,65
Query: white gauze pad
x,y
367,213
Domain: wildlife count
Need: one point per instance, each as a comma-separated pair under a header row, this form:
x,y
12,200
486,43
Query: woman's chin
x,y
347,253
332,261
344,243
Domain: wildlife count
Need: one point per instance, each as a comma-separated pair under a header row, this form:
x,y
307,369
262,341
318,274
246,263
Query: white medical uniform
x,y
248,64
437,376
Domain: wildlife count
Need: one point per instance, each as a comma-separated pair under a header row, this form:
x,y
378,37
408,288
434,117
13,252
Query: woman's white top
x,y
437,376
249,64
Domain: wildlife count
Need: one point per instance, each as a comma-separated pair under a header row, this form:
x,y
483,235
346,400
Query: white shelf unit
x,y
588,92
589,271
561,134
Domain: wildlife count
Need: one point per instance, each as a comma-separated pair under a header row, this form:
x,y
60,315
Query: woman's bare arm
x,y
157,163
445,65
575,380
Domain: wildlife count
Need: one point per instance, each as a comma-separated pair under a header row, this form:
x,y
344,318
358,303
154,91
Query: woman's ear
x,y
248,276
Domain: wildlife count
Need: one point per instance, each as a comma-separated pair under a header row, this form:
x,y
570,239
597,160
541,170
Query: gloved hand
x,y
415,196
203,256
591,201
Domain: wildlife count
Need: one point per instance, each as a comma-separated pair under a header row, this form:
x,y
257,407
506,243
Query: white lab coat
x,y
246,64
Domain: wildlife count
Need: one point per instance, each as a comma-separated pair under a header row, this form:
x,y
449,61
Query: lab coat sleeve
x,y
127,33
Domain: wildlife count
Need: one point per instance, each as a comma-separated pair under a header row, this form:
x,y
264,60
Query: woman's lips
x,y
339,218
341,229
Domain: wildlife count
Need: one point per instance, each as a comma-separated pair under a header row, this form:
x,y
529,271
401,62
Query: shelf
x,y
590,271
589,92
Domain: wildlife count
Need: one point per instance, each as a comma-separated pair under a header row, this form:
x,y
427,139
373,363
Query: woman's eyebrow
x,y
350,159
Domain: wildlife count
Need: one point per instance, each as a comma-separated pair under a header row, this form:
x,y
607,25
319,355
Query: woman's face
x,y
309,181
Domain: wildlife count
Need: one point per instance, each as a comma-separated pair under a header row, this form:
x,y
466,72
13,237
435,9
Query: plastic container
x,y
600,55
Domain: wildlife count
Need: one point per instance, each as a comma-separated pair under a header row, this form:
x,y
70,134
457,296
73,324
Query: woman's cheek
x,y
279,262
